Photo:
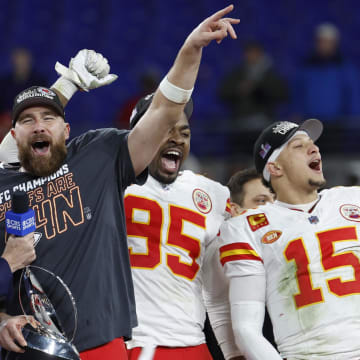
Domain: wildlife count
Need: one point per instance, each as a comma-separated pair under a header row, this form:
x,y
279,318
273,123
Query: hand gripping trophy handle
x,y
49,338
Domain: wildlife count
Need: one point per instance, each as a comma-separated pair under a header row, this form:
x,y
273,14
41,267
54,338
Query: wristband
x,y
65,87
174,93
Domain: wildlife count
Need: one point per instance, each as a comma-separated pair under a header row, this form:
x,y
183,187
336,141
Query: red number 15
x,y
296,251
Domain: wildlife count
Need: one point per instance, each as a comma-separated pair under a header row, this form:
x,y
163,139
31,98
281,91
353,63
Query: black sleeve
x,y
107,146
5,278
126,168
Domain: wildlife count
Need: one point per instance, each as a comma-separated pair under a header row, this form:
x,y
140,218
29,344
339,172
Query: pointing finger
x,y
218,15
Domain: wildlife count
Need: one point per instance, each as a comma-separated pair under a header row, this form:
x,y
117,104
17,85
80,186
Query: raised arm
x,y
87,70
175,90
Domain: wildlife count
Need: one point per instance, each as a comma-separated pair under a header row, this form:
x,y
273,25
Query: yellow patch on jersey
x,y
257,221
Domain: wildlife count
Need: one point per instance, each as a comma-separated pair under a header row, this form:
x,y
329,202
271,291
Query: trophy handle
x,y
42,305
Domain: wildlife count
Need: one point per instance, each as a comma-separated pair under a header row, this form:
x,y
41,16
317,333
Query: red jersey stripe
x,y
234,246
239,257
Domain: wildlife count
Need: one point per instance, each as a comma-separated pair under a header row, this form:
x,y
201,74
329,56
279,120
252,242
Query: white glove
x,y
8,150
95,63
88,70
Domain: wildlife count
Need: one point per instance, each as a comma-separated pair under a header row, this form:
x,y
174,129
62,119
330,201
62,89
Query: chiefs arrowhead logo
x,y
202,201
350,212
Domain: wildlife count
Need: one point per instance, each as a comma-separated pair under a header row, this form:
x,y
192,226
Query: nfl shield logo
x,y
313,219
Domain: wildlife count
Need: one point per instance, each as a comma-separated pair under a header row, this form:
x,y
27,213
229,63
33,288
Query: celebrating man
x,y
77,192
299,255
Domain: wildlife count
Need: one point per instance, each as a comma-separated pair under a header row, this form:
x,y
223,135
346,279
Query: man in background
x,y
253,89
247,191
327,83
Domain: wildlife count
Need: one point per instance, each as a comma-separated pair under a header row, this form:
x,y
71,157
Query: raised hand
x,y
215,27
88,70
95,63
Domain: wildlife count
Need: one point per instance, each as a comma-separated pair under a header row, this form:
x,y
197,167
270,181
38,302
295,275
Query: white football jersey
x,y
311,261
169,228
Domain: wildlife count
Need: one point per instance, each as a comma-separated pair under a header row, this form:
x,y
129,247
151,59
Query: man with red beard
x,y
172,222
77,193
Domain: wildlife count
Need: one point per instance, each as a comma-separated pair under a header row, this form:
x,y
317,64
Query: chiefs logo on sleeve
x,y
257,221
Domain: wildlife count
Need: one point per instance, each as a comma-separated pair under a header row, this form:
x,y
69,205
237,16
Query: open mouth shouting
x,y
40,147
315,165
171,160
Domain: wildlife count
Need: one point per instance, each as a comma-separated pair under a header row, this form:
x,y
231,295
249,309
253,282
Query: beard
x,y
162,176
43,165
317,184
164,179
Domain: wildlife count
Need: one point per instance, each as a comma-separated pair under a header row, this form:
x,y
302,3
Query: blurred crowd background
x,y
294,59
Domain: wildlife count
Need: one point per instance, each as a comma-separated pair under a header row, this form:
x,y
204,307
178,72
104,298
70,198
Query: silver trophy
x,y
48,341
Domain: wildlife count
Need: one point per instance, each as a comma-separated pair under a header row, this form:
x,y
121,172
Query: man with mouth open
x,y
77,194
299,256
172,223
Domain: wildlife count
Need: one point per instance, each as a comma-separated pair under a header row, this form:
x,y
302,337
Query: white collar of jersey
x,y
300,207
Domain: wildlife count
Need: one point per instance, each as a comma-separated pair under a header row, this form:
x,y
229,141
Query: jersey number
x,y
296,251
151,229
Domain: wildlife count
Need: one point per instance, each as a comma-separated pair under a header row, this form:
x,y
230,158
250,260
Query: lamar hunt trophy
x,y
48,341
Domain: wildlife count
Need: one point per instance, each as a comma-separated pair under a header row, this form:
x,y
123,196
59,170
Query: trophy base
x,y
30,354
41,347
